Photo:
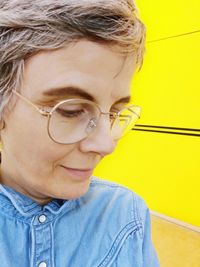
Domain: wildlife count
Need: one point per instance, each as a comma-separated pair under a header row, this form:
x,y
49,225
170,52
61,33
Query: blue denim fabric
x,y
109,226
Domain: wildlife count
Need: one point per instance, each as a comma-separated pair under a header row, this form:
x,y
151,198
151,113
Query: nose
x,y
100,140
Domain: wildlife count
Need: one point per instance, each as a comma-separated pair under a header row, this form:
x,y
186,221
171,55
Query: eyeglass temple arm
x,y
138,115
42,112
128,116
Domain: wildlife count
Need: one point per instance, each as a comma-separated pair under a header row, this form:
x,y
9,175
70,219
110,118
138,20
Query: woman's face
x,y
34,164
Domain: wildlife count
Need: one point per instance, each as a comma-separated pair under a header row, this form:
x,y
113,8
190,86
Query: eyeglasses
x,y
72,120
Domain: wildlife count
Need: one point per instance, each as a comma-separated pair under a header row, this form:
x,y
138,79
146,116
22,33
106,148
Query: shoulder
x,y
115,200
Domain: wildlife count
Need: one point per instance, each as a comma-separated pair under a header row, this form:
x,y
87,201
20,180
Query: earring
x,y
2,124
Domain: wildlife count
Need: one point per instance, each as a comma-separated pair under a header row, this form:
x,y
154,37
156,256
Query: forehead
x,y
87,65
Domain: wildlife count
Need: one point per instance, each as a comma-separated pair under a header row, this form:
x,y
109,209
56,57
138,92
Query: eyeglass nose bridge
x,y
93,122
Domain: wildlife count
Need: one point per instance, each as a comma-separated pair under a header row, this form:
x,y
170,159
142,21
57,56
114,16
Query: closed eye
x,y
70,113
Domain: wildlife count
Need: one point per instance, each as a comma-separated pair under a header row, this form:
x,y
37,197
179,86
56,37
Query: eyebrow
x,y
76,91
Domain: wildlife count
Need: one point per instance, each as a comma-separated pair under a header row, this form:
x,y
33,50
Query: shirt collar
x,y
27,206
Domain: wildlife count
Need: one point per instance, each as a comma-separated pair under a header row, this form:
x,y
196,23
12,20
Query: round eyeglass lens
x,y
125,121
72,121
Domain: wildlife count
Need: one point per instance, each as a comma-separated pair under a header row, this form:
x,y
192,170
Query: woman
x,y
65,74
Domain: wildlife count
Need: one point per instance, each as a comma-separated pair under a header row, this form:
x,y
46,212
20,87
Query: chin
x,y
74,191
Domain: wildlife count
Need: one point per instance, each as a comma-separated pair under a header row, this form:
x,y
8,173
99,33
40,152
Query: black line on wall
x,y
173,36
166,132
167,127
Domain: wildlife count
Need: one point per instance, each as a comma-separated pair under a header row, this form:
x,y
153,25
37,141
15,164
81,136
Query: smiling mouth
x,y
74,169
79,173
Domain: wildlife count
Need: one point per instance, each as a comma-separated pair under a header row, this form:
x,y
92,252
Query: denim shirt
x,y
109,226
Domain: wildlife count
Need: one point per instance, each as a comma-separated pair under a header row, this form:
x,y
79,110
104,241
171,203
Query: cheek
x,y
28,143
42,150
27,139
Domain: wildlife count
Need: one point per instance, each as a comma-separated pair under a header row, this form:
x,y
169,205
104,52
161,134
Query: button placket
x,y
42,240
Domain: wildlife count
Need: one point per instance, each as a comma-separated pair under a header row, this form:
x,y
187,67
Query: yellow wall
x,y
165,168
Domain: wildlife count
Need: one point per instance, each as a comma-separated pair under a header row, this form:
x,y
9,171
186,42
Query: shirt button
x,y
42,218
42,264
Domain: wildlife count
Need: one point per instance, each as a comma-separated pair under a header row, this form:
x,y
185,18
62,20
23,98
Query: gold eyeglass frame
x,y
48,114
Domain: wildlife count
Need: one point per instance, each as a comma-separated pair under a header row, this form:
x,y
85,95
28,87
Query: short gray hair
x,y
29,26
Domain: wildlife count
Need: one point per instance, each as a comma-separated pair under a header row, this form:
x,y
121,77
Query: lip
x,y
79,173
